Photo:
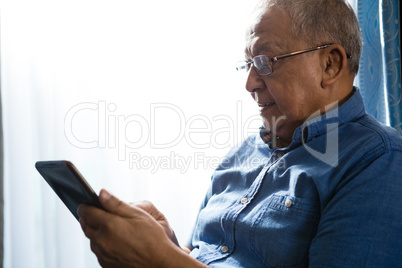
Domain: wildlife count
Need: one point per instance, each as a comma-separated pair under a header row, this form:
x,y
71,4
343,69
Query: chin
x,y
274,123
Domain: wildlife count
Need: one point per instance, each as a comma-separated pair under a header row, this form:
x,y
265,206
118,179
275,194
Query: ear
x,y
335,64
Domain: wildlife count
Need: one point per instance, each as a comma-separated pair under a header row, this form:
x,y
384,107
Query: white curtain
x,y
141,95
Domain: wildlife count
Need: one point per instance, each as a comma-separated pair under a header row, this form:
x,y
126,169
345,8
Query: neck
x,y
276,141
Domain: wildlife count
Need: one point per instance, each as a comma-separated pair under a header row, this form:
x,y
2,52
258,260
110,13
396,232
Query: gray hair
x,y
324,21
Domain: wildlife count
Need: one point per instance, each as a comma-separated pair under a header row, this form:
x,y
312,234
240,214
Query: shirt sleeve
x,y
362,224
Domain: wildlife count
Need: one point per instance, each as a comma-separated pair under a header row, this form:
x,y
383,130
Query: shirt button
x,y
224,249
280,154
288,203
244,200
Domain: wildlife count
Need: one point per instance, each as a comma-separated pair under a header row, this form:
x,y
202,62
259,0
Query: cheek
x,y
297,95
293,108
290,101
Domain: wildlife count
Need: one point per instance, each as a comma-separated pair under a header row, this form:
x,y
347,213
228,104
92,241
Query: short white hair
x,y
319,22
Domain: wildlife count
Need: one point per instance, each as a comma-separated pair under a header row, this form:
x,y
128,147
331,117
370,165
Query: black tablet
x,y
68,183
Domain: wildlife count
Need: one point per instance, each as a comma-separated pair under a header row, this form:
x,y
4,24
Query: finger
x,y
83,225
151,209
81,210
95,248
144,205
89,231
103,256
92,216
100,254
115,205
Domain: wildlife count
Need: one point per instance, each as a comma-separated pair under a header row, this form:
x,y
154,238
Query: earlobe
x,y
335,65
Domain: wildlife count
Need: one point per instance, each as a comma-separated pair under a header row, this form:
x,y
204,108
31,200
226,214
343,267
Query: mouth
x,y
265,106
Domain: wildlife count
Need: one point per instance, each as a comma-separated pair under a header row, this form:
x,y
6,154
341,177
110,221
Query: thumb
x,y
114,205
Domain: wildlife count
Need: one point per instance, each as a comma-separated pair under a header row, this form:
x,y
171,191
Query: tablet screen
x,y
68,184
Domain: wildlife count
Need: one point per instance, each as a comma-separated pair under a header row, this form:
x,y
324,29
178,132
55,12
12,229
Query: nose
x,y
254,82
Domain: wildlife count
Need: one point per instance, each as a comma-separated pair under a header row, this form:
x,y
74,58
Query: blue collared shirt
x,y
330,199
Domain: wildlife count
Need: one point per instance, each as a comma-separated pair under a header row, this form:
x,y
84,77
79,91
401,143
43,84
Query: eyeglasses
x,y
264,64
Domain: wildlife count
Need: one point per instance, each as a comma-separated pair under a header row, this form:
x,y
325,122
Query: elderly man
x,y
326,190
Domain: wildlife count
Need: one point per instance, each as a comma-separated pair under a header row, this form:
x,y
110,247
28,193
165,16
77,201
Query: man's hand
x,y
158,216
131,236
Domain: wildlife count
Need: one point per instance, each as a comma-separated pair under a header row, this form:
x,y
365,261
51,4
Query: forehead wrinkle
x,y
255,48
269,46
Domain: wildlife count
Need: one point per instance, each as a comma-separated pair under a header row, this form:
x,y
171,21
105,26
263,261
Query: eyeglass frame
x,y
247,64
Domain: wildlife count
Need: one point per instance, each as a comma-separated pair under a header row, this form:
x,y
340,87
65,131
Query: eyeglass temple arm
x,y
299,52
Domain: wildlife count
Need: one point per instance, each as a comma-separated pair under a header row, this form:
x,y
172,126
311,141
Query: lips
x,y
265,106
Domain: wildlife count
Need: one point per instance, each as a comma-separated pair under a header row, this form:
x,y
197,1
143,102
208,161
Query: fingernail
x,y
78,209
104,195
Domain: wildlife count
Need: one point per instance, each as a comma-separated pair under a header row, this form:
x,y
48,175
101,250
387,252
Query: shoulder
x,y
386,135
359,220
371,137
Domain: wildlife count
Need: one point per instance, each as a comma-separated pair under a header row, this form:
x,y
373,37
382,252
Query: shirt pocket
x,y
281,235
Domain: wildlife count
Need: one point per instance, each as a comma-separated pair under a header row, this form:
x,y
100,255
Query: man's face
x,y
293,92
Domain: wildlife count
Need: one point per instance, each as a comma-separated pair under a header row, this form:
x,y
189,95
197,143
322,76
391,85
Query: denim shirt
x,y
330,199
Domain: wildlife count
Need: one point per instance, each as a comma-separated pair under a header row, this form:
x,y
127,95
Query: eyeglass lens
x,y
262,64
